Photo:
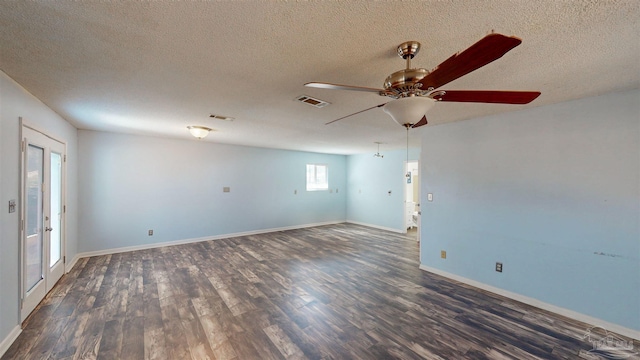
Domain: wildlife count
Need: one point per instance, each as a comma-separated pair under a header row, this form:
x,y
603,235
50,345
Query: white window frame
x,y
313,182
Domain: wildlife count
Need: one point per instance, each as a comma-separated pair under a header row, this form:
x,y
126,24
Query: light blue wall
x,y
369,180
551,192
130,184
16,102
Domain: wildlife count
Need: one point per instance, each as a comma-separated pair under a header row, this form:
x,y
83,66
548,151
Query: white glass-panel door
x,y
56,265
42,225
34,224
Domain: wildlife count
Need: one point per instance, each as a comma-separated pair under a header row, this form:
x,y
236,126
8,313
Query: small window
x,y
317,177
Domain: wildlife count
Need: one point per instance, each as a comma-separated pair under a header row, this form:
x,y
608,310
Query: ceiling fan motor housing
x,y
403,83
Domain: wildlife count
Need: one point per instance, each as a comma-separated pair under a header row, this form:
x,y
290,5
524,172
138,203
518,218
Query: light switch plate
x,y
429,197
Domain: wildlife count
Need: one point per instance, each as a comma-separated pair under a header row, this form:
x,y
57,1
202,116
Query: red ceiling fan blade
x,y
488,49
422,122
356,113
480,96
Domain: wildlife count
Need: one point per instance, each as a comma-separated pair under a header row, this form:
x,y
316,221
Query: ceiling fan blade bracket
x,y
437,95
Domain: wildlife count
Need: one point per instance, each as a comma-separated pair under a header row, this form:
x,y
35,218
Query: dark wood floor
x,y
331,292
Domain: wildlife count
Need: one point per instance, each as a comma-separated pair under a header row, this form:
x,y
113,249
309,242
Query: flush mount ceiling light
x,y
199,131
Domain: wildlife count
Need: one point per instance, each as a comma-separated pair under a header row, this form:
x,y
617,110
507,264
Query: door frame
x,y
46,286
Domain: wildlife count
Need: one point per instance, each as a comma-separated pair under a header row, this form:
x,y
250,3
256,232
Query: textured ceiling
x,y
155,67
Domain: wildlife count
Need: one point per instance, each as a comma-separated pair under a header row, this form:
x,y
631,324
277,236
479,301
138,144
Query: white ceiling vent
x,y
312,101
221,117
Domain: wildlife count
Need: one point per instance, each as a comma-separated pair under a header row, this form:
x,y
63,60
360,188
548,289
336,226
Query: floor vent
x,y
221,117
312,101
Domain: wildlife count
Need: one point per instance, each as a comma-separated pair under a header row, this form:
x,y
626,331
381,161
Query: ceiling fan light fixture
x,y
199,132
408,110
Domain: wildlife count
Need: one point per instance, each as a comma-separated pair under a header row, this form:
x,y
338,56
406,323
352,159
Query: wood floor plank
x,y
89,345
175,338
112,339
194,333
330,292
47,340
284,344
70,337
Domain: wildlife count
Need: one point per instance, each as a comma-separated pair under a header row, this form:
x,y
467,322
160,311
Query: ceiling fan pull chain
x,y
408,175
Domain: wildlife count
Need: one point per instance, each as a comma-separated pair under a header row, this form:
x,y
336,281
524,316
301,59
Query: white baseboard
x,y
377,227
69,266
195,240
634,334
7,341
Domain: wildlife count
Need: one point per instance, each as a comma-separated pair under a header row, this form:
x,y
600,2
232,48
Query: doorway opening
x,y
412,199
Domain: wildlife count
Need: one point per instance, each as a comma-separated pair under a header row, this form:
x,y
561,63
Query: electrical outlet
x,y
443,254
12,206
499,267
150,232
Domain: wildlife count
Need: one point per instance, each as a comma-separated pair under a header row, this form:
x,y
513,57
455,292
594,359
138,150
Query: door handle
x,y
48,229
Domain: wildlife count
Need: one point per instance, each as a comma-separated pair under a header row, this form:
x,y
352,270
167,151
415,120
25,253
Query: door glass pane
x,y
56,209
33,226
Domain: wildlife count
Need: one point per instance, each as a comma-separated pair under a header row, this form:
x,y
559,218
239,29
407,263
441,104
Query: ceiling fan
x,y
415,90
